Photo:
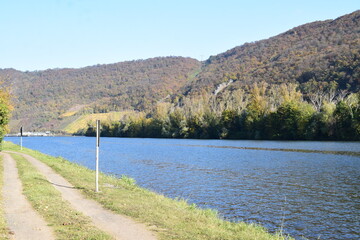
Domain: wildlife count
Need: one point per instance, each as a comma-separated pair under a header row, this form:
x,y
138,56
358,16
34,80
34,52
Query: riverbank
x,y
169,219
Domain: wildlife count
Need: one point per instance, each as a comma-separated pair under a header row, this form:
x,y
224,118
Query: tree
x,y
290,120
256,110
5,109
347,118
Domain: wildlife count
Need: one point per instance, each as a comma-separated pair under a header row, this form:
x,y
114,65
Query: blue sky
x,y
43,34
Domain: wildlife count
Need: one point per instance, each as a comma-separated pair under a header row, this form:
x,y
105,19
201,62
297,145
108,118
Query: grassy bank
x,y
66,222
171,219
4,231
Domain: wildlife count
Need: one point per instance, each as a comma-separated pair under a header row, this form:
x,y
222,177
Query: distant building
x,y
31,134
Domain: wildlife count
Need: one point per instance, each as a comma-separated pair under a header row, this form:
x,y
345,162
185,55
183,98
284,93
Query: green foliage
x,y
127,180
4,118
5,109
347,118
290,120
282,116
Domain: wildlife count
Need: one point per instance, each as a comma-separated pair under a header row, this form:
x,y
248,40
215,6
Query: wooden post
x,y
97,155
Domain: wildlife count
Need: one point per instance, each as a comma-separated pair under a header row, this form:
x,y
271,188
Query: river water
x,y
308,194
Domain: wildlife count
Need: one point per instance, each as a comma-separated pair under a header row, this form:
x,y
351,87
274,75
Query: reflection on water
x,y
308,194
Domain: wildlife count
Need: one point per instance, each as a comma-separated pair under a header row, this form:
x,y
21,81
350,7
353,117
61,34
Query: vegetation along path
x,y
23,221
166,218
116,225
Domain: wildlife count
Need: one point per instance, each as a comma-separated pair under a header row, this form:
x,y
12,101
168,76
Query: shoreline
x,y
171,219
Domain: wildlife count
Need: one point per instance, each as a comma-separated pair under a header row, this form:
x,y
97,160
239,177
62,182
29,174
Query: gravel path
x,y
120,227
24,222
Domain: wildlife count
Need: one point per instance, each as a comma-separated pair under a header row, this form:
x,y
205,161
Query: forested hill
x,y
322,51
321,55
41,97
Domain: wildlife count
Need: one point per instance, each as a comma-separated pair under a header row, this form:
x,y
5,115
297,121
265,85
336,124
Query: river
x,y
310,194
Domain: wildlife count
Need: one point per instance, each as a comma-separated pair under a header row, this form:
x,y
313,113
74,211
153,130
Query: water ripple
x,y
308,189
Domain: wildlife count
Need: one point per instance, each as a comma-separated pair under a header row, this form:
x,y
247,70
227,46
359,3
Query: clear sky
x,y
42,34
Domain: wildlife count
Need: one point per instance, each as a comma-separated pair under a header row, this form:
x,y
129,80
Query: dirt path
x,y
22,219
116,225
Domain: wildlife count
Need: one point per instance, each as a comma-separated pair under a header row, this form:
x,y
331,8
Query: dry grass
x,y
4,231
67,114
66,222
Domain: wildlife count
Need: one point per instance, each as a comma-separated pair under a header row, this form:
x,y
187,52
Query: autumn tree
x,y
5,109
256,110
347,118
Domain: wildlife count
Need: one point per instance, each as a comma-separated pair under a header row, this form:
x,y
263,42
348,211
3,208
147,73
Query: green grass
x,y
171,219
66,222
4,231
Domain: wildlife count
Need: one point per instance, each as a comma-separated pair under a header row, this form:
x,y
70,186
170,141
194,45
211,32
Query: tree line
x,y
312,111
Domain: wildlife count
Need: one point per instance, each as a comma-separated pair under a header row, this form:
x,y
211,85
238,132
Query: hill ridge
x,y
309,47
322,51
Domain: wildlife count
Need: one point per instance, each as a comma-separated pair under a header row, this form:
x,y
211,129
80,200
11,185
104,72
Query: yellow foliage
x,y
5,109
67,114
258,104
82,121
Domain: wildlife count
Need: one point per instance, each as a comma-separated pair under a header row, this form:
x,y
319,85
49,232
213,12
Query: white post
x,y
97,155
21,133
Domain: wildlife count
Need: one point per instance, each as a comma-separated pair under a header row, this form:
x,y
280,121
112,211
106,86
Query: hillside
x,y
320,53
43,99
